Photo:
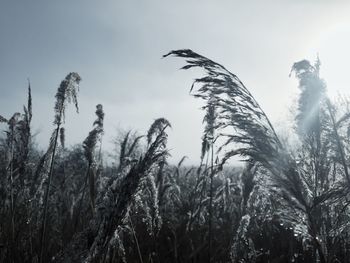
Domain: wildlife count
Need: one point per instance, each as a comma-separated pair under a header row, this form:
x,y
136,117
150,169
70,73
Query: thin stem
x,y
340,146
12,199
136,241
46,200
210,235
81,199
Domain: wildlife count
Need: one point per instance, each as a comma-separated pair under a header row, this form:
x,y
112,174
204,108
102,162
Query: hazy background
x,y
116,46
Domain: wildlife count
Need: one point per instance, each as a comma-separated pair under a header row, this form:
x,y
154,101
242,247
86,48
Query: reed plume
x,y
89,145
66,93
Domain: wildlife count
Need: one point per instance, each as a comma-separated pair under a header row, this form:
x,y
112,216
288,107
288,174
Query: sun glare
x,y
333,48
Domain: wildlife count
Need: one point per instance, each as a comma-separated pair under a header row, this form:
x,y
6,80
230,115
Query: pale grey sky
x,y
116,47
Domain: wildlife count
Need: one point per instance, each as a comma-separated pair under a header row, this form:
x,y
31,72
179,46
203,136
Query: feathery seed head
x,y
157,127
95,134
67,92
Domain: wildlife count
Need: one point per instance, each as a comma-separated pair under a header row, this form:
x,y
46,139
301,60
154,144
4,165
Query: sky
x,y
117,47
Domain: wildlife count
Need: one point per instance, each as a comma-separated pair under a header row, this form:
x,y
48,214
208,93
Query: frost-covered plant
x,y
120,195
146,203
249,133
243,248
66,93
17,146
89,145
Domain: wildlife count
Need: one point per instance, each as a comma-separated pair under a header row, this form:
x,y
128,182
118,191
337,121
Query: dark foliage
x,y
289,203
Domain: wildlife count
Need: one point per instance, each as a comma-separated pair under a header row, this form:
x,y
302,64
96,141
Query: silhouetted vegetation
x,y
289,203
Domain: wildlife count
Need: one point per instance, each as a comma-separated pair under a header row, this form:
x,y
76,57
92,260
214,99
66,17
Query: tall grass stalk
x,y
66,93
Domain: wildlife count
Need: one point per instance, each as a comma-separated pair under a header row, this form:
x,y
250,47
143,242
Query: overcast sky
x,y
116,47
